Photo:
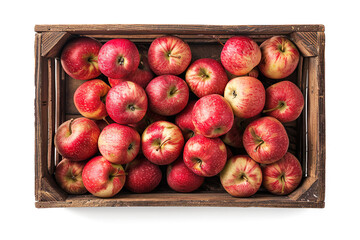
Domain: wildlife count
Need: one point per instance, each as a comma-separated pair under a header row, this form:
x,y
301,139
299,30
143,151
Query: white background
x,y
19,216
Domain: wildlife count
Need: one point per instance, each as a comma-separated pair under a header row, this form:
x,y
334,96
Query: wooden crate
x,y
53,105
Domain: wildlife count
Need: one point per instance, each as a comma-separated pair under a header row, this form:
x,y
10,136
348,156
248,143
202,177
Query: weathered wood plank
x,y
179,29
52,43
306,42
180,199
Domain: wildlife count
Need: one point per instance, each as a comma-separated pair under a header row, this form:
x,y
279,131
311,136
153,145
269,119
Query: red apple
x,y
206,76
246,96
79,58
283,176
119,144
103,178
241,176
168,95
284,101
169,55
205,156
89,99
126,103
212,116
142,75
266,140
162,142
181,179
184,120
76,139
240,55
142,175
68,176
118,58
149,118
235,135
279,59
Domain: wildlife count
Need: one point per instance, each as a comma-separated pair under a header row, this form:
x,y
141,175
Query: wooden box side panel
x,y
45,186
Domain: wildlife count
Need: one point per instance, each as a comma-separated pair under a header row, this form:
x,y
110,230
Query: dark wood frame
x,y
49,83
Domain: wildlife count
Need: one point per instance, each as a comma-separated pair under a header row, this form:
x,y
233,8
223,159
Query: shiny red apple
x,y
167,94
119,144
118,58
169,55
103,178
126,103
206,76
143,176
284,101
89,99
68,174
279,59
241,176
240,55
212,116
246,96
162,142
265,140
205,156
283,176
79,58
76,139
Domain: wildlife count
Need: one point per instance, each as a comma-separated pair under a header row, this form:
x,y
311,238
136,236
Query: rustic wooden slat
x,y
41,116
316,119
50,192
306,42
322,119
300,121
52,43
304,126
179,29
313,117
180,199
51,114
303,188
58,102
37,47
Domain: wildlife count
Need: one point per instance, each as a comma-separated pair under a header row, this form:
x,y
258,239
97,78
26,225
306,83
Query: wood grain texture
x,y
52,43
178,29
306,42
180,199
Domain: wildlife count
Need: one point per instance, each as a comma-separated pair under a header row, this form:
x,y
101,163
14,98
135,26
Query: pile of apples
x,y
149,117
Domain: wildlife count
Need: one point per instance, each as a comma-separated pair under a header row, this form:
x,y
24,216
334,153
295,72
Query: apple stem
x,y
282,179
280,105
257,139
70,122
104,118
257,147
243,177
218,39
163,143
120,173
174,56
